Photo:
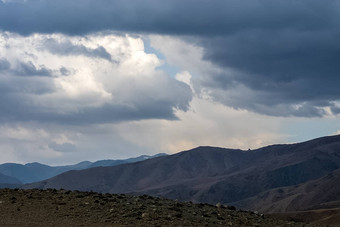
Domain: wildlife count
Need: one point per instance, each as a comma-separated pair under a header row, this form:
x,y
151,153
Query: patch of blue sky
x,y
306,129
166,67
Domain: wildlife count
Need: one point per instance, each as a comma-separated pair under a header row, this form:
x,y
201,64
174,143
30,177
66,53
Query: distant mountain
x,y
210,174
8,182
33,172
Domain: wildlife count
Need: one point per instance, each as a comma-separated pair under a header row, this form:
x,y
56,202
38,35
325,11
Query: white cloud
x,y
185,77
62,92
99,73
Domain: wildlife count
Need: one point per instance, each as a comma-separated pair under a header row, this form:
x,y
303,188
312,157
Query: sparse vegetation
x,y
73,208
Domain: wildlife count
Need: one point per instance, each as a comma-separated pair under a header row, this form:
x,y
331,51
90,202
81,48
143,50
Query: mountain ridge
x,y
208,174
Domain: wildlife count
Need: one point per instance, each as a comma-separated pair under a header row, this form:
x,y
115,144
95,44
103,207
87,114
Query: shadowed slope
x,y
322,193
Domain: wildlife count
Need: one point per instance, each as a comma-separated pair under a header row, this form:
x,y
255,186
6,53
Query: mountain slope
x,y
322,193
208,174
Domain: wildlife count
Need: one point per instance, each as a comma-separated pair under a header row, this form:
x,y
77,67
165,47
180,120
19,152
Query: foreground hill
x,y
32,172
66,208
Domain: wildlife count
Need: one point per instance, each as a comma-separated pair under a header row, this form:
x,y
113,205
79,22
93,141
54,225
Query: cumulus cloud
x,y
74,86
284,53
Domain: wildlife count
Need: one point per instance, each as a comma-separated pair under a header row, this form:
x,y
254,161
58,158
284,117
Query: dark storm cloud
x,y
168,16
285,51
67,48
290,66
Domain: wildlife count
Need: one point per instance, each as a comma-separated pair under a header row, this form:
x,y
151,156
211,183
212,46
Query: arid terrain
x,y
73,208
277,178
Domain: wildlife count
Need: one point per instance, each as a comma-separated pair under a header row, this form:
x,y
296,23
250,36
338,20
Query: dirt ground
x,y
73,208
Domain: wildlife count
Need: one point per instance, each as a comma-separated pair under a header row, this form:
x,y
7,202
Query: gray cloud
x,y
67,48
4,64
12,86
286,52
18,108
282,67
22,100
28,69
335,109
65,72
21,104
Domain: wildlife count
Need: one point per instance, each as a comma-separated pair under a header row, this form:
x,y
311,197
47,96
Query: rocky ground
x,y
73,208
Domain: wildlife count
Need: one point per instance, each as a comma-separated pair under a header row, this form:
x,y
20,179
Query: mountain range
x,y
13,174
275,178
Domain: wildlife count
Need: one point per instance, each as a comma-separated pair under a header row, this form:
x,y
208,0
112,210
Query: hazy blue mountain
x,y
33,172
210,174
8,180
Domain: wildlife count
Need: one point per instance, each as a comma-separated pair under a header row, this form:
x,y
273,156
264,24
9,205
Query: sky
x,y
112,79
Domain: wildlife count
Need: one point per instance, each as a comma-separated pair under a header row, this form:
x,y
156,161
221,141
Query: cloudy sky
x,y
99,79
